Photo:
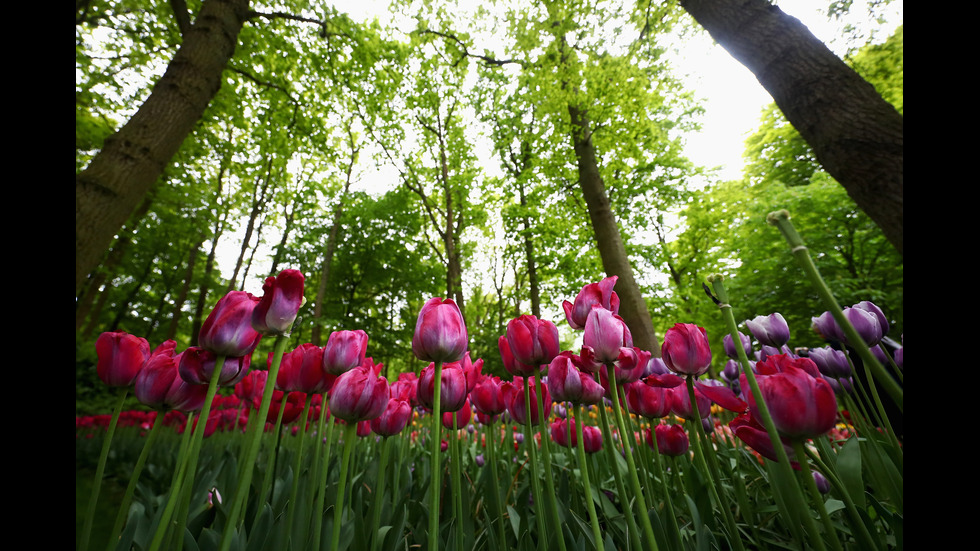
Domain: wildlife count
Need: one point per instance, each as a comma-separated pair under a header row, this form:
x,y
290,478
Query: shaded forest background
x,y
352,151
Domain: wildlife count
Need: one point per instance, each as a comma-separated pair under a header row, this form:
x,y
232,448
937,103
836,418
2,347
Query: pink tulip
x,y
393,419
228,330
121,356
671,440
567,383
452,393
283,295
648,400
514,395
605,334
801,405
591,436
345,350
440,334
511,364
462,416
685,349
601,294
160,386
302,371
359,395
197,365
532,341
487,396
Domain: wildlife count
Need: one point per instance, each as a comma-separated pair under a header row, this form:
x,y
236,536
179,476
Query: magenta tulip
x,y
302,371
567,383
197,365
801,405
228,330
685,349
159,385
601,294
121,356
276,311
605,334
532,341
487,396
345,350
671,440
462,416
591,436
514,395
440,334
359,395
647,399
393,419
511,364
452,393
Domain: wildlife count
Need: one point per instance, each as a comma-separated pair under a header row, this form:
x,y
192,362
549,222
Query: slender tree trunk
x,y
219,225
120,175
124,308
258,201
532,271
856,135
175,315
633,308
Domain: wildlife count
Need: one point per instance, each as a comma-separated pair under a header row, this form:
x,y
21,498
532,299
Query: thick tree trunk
x,y
856,135
118,178
632,307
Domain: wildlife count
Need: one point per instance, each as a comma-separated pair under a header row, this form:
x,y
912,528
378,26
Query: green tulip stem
x,y
436,487
672,518
624,498
350,435
321,487
549,479
133,479
379,493
268,487
781,220
811,484
891,362
798,502
539,505
858,526
491,459
297,465
93,498
252,447
627,440
455,459
583,468
187,467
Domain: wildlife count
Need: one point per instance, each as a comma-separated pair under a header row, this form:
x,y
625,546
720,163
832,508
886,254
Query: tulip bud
x,y
487,397
480,461
276,311
197,365
685,349
462,416
359,395
567,383
605,334
393,419
869,306
344,351
228,330
832,363
866,324
121,356
650,401
514,393
730,349
601,294
440,334
533,341
672,440
452,392
511,364
771,330
823,485
302,371
801,406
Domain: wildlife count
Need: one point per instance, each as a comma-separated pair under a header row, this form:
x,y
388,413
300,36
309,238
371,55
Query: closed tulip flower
x,y
514,394
648,400
159,385
440,334
832,363
462,416
533,341
605,334
359,395
121,356
487,396
276,311
685,349
731,351
197,364
801,405
771,330
228,330
672,440
452,393
302,371
871,307
511,364
344,351
393,419
567,383
601,294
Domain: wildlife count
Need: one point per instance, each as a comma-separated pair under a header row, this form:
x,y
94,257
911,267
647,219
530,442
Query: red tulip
x,y
197,364
473,371
801,405
567,383
228,330
440,334
345,350
605,334
359,395
532,341
462,415
406,388
511,364
121,356
393,419
514,395
487,397
293,402
685,349
283,295
592,294
591,436
159,385
748,430
452,392
302,371
671,440
648,400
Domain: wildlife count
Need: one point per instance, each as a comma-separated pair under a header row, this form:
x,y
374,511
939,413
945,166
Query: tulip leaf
x,y
261,529
849,467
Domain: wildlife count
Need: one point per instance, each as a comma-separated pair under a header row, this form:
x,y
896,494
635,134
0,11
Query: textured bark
x,y
856,135
118,178
632,307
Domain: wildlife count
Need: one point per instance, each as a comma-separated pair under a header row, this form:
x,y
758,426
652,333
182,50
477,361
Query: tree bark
x,y
118,178
856,135
632,307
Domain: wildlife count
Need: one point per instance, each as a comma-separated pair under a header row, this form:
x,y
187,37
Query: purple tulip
x,y
770,330
832,363
869,306
730,349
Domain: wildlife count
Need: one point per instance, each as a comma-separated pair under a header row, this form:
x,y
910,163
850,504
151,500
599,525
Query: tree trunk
x,y
175,316
856,135
118,178
632,307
